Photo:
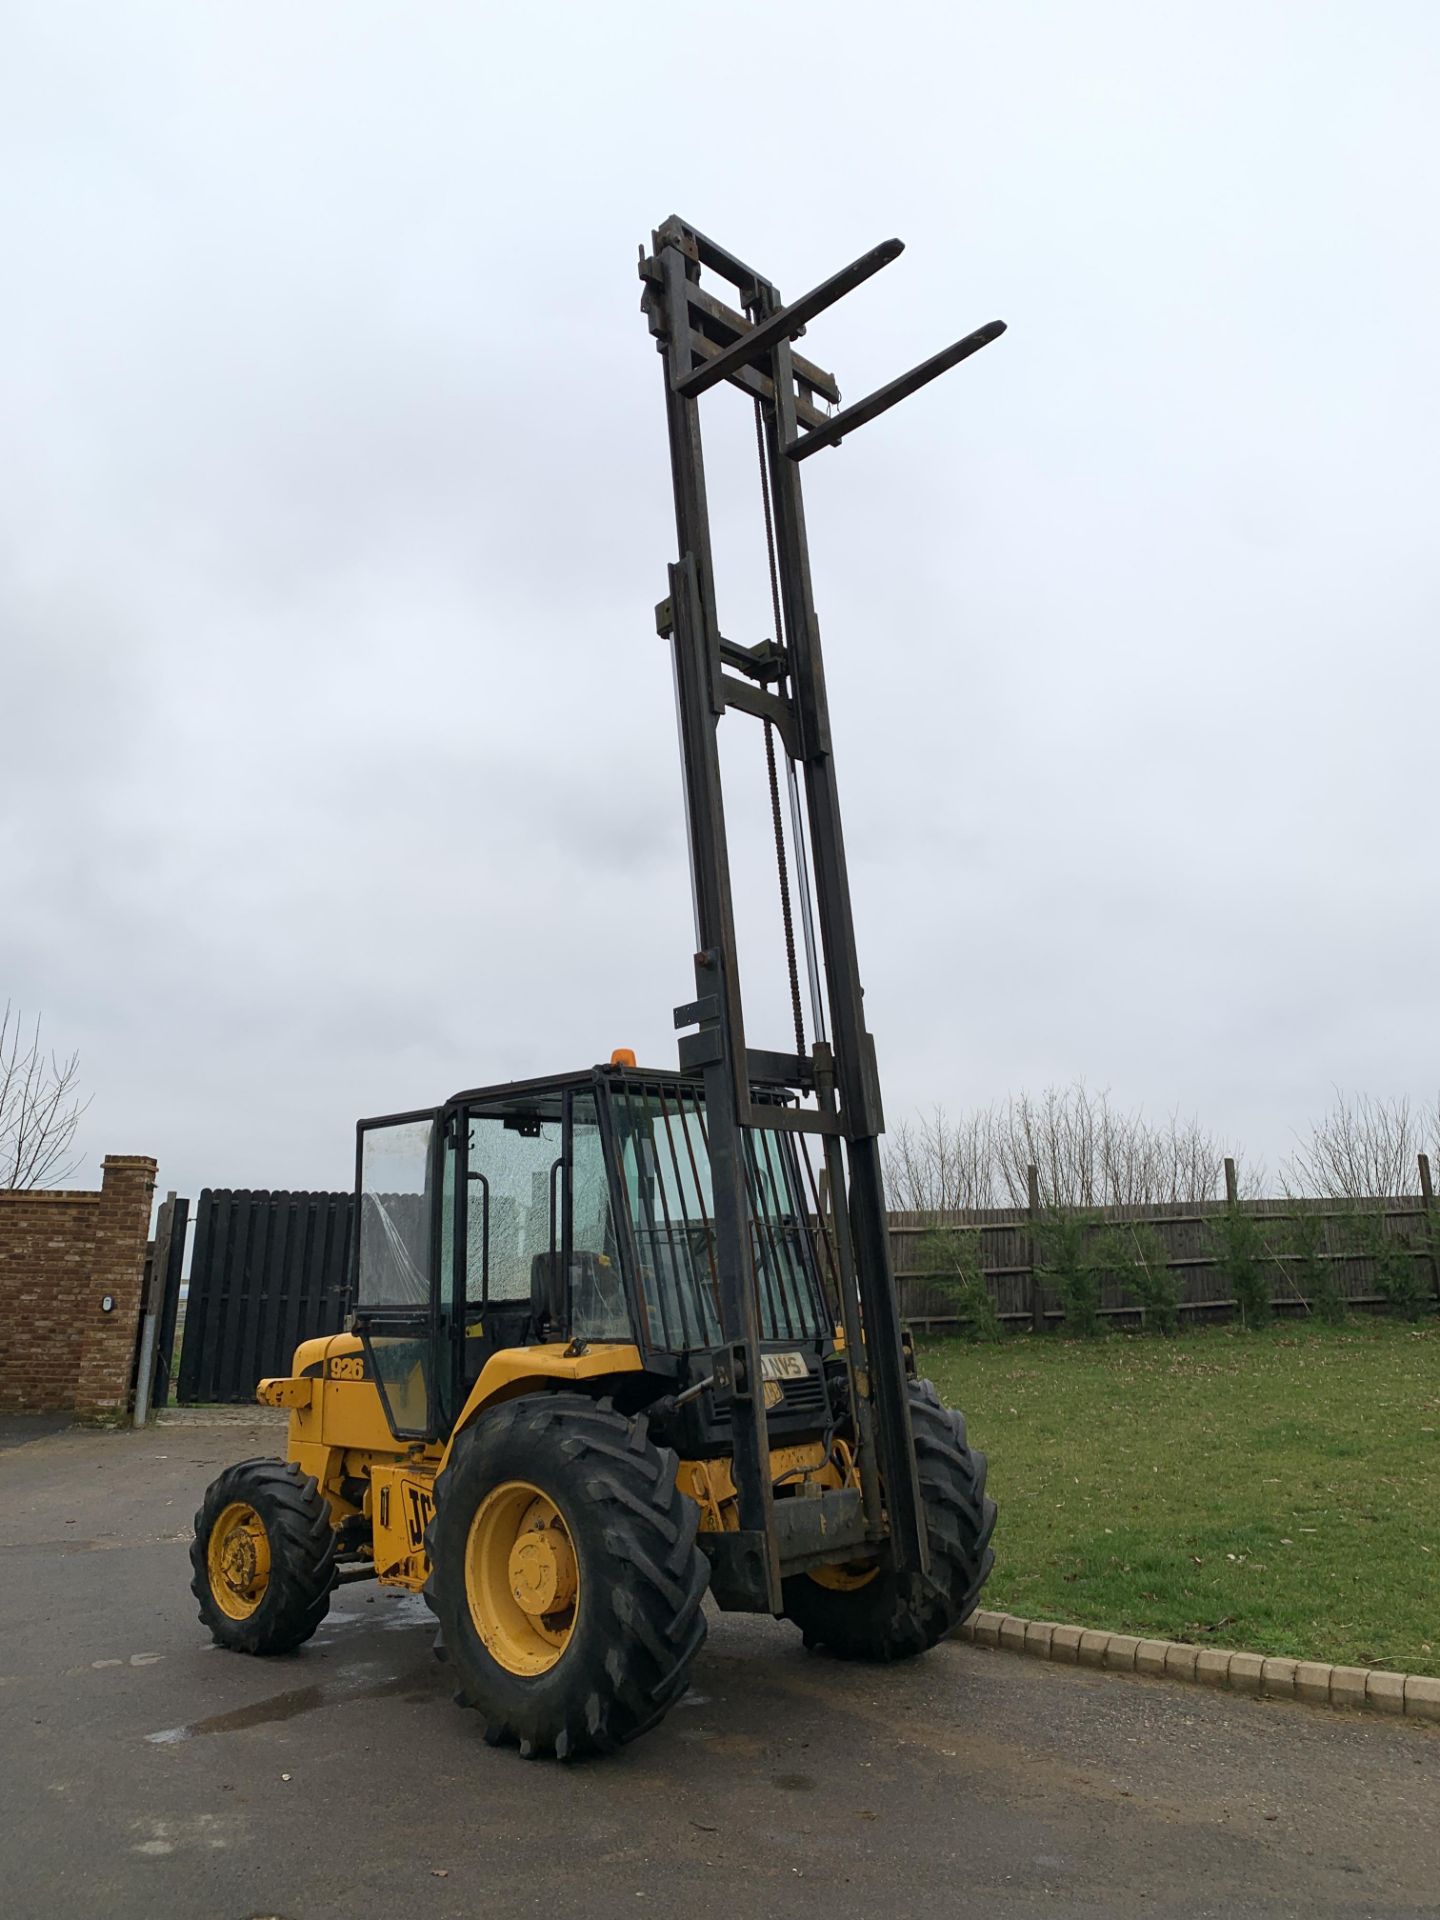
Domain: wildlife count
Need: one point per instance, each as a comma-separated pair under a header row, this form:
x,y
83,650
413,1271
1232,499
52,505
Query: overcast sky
x,y
337,758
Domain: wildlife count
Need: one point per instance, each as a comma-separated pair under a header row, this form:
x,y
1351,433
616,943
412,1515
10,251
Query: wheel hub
x,y
238,1560
542,1571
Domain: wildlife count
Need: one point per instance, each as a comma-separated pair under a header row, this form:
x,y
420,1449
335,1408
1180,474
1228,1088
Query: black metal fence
x,y
268,1271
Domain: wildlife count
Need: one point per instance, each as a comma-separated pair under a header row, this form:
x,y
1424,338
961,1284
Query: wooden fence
x,y
1009,1256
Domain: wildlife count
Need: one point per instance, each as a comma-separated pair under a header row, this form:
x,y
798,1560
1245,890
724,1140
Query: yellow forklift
x,y
621,1337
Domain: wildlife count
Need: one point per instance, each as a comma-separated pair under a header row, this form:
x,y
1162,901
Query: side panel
x,y
342,1408
337,1424
402,1500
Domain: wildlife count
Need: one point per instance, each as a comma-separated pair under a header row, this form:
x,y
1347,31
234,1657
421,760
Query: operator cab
x,y
579,1209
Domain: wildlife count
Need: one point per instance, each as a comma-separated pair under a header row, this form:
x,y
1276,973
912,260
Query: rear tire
x,y
892,1616
614,1653
263,1557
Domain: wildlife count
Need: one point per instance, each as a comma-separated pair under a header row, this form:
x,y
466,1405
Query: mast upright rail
x,y
705,341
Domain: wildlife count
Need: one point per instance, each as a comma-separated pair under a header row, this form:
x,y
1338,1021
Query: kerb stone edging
x,y
1414,1695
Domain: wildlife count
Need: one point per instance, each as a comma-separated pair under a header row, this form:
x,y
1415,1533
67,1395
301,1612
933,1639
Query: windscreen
x,y
664,1155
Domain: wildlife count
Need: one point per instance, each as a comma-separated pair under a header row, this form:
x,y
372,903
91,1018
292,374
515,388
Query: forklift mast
x,y
747,341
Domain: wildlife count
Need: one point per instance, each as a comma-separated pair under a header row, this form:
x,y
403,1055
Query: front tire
x,y
263,1557
565,1575
877,1614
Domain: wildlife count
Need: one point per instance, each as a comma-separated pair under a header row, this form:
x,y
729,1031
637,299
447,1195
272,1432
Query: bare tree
x,y
1087,1153
40,1107
938,1166
1363,1148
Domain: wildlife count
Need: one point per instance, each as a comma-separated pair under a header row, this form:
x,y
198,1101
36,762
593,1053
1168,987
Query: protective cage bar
x,y
662,1140
704,341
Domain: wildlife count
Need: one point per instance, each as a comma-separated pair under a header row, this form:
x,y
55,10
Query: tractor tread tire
x,y
642,1576
899,1615
302,1556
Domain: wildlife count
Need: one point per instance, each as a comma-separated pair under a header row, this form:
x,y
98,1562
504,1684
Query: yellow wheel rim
x,y
522,1579
238,1559
847,1579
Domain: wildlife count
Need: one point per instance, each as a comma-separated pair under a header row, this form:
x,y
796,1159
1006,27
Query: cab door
x,y
506,1224
399,1193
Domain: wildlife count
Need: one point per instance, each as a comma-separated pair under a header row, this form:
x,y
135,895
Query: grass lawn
x,y
1276,1491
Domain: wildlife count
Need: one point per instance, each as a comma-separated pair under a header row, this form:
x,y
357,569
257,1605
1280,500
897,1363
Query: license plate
x,y
783,1366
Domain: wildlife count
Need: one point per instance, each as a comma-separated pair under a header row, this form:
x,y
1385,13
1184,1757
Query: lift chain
x,y
781,862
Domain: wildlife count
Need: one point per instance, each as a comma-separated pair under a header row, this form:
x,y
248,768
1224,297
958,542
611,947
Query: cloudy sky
x,y
337,760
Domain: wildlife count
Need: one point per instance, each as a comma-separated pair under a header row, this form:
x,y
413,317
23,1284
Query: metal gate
x,y
164,1264
268,1271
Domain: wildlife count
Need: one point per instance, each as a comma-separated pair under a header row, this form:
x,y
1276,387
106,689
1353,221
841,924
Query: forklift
x,y
623,1337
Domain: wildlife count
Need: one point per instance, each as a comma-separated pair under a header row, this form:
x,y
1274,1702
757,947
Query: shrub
x,y
950,1261
1142,1262
1397,1273
1317,1278
1242,1259
1430,1240
1070,1258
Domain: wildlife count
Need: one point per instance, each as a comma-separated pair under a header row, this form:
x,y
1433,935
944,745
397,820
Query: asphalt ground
x,y
144,1772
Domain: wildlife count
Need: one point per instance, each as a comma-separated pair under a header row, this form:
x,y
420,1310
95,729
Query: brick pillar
x,y
107,1350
